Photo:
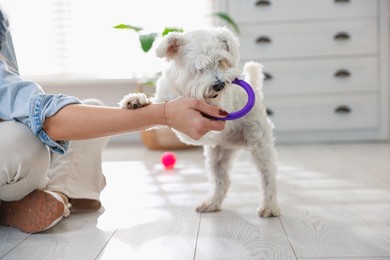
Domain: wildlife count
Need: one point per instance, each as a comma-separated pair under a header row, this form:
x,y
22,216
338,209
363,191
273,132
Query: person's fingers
x,y
206,124
209,109
216,125
193,119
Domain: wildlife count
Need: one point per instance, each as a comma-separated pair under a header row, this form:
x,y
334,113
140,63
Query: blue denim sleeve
x,y
26,102
46,105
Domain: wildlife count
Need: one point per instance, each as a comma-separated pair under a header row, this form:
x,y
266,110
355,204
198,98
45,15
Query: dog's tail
x,y
253,72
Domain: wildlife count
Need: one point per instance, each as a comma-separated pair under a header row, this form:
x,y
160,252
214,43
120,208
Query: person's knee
x,y
25,161
93,101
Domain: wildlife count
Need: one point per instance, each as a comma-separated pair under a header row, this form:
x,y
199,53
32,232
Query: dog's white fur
x,y
200,60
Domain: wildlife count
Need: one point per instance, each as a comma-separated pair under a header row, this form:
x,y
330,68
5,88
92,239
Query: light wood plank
x,y
321,233
344,258
76,237
332,201
242,237
9,239
151,208
156,233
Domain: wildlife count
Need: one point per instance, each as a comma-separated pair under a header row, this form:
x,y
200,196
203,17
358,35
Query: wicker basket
x,y
162,139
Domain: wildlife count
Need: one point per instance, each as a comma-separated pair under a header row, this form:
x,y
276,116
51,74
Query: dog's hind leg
x,y
264,157
218,161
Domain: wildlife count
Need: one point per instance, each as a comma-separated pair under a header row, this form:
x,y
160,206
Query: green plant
x,y
226,18
147,40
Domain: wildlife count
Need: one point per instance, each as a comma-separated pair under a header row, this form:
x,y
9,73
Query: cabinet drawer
x,y
320,76
340,112
282,10
314,39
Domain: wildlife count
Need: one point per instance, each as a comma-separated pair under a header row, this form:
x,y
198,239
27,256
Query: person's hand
x,y
185,115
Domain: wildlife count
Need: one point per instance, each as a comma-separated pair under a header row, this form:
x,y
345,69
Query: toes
x,y
207,207
270,211
133,105
134,101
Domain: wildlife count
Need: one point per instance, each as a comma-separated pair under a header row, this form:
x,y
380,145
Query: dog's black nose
x,y
218,86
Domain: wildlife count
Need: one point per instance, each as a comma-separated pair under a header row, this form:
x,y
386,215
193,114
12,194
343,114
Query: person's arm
x,y
76,121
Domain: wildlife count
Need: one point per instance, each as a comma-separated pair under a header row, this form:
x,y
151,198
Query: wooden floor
x,y
335,202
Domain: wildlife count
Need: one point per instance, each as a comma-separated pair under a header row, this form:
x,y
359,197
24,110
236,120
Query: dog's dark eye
x,y
223,64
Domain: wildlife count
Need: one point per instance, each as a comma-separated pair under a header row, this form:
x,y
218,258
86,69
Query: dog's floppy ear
x,y
170,45
229,41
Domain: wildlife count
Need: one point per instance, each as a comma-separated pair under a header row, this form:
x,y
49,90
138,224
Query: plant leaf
x,y
149,83
147,41
228,19
128,27
171,29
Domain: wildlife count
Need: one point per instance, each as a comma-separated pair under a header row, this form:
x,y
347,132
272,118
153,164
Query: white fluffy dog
x,y
202,65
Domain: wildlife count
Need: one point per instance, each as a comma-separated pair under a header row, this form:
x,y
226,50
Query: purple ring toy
x,y
249,105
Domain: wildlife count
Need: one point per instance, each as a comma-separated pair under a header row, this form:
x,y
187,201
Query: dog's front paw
x,y
207,206
134,101
269,210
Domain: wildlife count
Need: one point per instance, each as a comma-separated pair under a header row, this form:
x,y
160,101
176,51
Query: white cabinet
x,y
309,40
326,63
299,10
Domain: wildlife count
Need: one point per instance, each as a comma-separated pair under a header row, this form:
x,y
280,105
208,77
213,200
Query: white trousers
x,y
27,164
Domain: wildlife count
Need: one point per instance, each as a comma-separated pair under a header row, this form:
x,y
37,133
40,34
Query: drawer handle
x,y
342,74
342,36
268,76
341,1
263,3
269,112
263,40
342,109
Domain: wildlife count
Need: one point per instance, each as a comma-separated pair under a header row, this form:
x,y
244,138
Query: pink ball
x,y
168,159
